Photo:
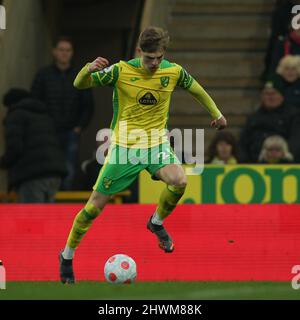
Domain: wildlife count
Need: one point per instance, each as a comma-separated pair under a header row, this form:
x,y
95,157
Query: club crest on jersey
x,y
107,182
164,81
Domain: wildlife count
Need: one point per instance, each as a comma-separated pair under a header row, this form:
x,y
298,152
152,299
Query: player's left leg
x,y
174,177
85,218
113,178
81,225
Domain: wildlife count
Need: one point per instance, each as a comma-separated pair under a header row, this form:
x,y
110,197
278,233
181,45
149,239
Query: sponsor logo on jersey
x,y
164,81
148,99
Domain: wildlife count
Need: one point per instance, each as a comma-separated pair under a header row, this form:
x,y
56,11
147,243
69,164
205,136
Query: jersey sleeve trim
x,y
185,79
107,77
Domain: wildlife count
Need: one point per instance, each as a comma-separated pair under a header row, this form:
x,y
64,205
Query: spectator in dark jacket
x,y
280,24
33,156
90,168
288,45
70,108
288,77
272,118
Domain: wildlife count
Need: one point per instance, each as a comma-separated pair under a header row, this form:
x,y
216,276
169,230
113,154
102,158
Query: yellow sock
x,y
168,200
81,224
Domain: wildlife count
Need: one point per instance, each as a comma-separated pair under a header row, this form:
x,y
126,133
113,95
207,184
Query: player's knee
x,y
179,181
98,201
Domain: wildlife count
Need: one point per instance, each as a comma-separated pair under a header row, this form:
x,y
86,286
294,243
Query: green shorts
x,y
123,165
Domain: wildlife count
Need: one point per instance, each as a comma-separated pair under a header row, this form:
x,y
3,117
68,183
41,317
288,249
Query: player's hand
x,y
98,64
219,124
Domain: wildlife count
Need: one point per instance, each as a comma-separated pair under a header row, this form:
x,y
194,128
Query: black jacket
x,y
280,22
68,106
283,46
262,124
292,94
290,90
32,148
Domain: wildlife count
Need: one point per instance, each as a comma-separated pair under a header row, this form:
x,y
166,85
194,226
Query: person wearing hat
x,y
273,117
33,157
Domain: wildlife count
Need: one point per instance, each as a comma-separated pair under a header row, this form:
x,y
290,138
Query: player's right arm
x,y
96,73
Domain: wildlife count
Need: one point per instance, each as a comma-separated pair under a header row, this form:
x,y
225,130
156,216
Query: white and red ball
x,y
120,268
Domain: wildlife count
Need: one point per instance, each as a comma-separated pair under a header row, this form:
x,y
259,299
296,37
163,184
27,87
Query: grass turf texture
x,y
150,290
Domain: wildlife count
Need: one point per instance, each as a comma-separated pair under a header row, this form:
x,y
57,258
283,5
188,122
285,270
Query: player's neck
x,y
145,69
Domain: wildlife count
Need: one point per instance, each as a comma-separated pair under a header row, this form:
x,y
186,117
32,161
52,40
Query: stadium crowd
x,y
271,133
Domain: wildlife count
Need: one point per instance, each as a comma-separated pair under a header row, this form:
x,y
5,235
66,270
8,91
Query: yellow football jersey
x,y
141,100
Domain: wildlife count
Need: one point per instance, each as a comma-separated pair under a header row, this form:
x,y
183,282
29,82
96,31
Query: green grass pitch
x,y
151,290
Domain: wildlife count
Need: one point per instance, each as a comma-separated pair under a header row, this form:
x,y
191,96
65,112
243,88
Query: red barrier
x,y
212,242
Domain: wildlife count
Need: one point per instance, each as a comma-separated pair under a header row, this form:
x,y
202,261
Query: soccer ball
x,y
120,268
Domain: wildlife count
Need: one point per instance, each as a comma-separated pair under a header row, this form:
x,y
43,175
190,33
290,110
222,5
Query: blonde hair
x,y
288,61
277,141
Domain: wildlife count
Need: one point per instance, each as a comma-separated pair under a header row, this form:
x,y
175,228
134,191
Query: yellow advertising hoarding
x,y
233,184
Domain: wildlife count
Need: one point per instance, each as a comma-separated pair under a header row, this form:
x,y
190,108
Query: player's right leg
x,y
81,225
170,171
175,179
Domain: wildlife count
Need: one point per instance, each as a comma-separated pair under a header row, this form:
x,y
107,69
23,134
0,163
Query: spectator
x,y
275,150
33,157
272,118
89,172
223,149
280,23
70,108
288,76
90,168
287,45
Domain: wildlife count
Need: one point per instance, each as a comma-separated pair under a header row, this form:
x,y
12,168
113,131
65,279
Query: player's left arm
x,y
186,81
